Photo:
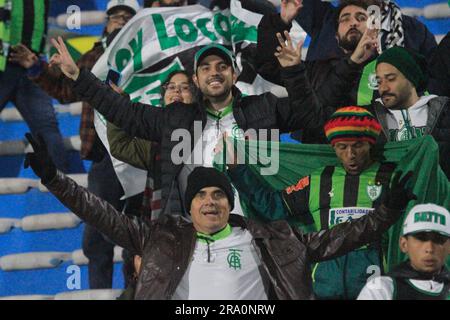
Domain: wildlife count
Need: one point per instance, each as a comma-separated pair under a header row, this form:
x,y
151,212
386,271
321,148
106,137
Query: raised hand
x,y
399,195
23,56
40,160
290,9
287,55
63,60
367,46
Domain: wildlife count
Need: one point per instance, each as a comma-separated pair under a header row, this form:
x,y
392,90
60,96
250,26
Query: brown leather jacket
x,y
166,245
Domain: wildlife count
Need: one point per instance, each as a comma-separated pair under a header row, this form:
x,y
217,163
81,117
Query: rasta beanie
x,y
411,64
352,123
203,177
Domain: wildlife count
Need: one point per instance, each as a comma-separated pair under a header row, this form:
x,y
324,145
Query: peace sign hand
x,y
287,55
63,60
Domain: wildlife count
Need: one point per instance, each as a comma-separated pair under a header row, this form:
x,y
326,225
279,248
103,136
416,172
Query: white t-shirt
x,y
232,272
382,288
410,123
216,125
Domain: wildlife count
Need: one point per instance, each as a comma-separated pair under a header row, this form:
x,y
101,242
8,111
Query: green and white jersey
x,y
223,267
330,196
383,288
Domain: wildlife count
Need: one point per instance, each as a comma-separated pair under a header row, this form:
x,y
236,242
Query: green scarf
x,y
297,160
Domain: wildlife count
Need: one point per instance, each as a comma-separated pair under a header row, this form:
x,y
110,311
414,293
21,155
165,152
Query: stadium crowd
x,y
210,224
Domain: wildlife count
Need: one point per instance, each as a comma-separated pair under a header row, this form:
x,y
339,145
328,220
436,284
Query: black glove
x,y
398,196
40,160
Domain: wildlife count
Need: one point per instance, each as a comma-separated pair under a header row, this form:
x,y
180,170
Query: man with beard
x,y
344,77
403,111
220,108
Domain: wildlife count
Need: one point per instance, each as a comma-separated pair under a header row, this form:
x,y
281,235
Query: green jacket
x,y
132,150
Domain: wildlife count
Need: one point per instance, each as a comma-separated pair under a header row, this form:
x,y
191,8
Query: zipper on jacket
x,y
208,241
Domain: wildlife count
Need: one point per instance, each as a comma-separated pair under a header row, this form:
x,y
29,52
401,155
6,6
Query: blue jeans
x,y
36,108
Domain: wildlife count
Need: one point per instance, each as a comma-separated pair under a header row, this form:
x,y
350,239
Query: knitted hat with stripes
x,y
350,124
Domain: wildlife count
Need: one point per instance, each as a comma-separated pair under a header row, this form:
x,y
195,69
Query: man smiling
x,y
220,108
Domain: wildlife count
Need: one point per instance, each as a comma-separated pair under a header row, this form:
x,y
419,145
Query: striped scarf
x,y
391,25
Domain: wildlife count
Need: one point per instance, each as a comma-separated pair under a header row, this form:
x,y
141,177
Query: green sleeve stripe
x,y
314,199
337,189
16,22
39,25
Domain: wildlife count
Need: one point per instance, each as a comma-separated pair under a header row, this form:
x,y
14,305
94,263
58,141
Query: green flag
x,y
421,156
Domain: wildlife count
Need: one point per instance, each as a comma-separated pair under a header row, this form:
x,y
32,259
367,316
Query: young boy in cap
x,y
332,195
426,240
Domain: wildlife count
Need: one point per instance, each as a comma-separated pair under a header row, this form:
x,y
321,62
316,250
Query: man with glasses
x,y
102,179
426,240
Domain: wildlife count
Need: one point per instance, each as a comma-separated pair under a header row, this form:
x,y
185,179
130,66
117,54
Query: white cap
x,y
427,218
130,4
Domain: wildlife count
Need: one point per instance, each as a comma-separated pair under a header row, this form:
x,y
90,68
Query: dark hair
x,y
359,3
169,77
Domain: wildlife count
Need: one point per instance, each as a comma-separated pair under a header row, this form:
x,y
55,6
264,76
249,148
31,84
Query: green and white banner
x,y
158,41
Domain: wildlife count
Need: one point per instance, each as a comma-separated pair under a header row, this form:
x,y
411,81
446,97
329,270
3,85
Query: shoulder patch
x,y
301,184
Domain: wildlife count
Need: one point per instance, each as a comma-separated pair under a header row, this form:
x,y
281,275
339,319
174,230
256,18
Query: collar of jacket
x,y
406,271
222,234
435,108
237,110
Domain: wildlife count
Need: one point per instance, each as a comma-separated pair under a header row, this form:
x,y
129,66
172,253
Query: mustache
x,y
353,29
387,94
216,78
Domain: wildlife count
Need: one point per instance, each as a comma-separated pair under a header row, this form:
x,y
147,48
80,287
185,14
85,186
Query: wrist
x,y
35,70
74,76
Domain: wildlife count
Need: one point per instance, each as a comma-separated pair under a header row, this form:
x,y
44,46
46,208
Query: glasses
x,y
118,17
184,87
430,236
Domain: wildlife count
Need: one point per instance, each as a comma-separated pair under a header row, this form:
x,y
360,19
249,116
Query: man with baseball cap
x,y
218,255
220,108
426,240
335,194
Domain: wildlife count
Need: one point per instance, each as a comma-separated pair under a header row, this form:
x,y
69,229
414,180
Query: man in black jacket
x,y
218,255
347,75
403,112
220,108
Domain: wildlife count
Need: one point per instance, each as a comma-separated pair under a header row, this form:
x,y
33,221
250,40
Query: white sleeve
x,y
379,288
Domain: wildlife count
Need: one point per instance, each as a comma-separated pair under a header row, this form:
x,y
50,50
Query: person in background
x,y
23,23
424,276
102,179
439,69
144,154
